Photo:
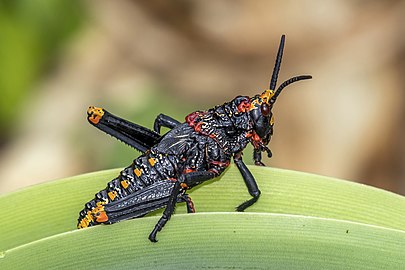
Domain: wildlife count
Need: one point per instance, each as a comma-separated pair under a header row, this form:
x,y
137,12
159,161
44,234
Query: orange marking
x,y
138,172
102,217
125,184
152,161
184,185
267,95
256,138
188,170
197,127
89,216
253,104
84,223
100,214
112,195
100,203
95,114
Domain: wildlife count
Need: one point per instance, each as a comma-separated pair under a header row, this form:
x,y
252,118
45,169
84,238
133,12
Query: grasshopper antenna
x,y
288,82
276,69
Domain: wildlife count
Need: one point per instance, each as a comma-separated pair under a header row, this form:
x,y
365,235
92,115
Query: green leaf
x,y
218,241
321,222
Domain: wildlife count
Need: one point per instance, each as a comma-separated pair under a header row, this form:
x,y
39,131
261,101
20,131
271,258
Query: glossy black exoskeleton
x,y
192,152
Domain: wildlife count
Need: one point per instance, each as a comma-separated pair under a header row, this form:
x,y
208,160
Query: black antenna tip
x,y
276,69
288,82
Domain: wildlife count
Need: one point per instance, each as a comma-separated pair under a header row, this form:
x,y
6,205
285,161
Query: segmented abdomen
x,y
143,172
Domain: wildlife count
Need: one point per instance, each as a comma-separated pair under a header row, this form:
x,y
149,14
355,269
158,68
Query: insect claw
x,y
240,208
152,236
269,153
259,163
263,147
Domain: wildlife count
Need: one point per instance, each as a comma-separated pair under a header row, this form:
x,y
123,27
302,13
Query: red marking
x,y
197,128
172,179
215,171
194,120
190,119
256,140
188,170
244,106
191,204
219,163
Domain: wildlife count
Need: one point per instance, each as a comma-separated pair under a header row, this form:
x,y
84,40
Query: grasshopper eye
x,y
265,109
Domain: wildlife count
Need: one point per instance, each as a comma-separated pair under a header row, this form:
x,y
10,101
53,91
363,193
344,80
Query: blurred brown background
x,y
140,58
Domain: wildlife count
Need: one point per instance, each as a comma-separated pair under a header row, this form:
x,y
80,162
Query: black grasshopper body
x,y
192,152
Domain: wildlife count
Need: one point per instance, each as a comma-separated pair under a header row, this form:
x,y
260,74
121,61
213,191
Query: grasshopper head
x,y
261,105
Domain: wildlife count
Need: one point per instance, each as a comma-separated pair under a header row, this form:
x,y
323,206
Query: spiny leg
x,y
189,203
134,135
249,181
163,120
167,213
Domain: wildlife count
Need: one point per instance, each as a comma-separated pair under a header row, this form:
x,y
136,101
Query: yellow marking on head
x,y
125,184
253,104
258,100
152,161
95,114
267,95
137,172
112,195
